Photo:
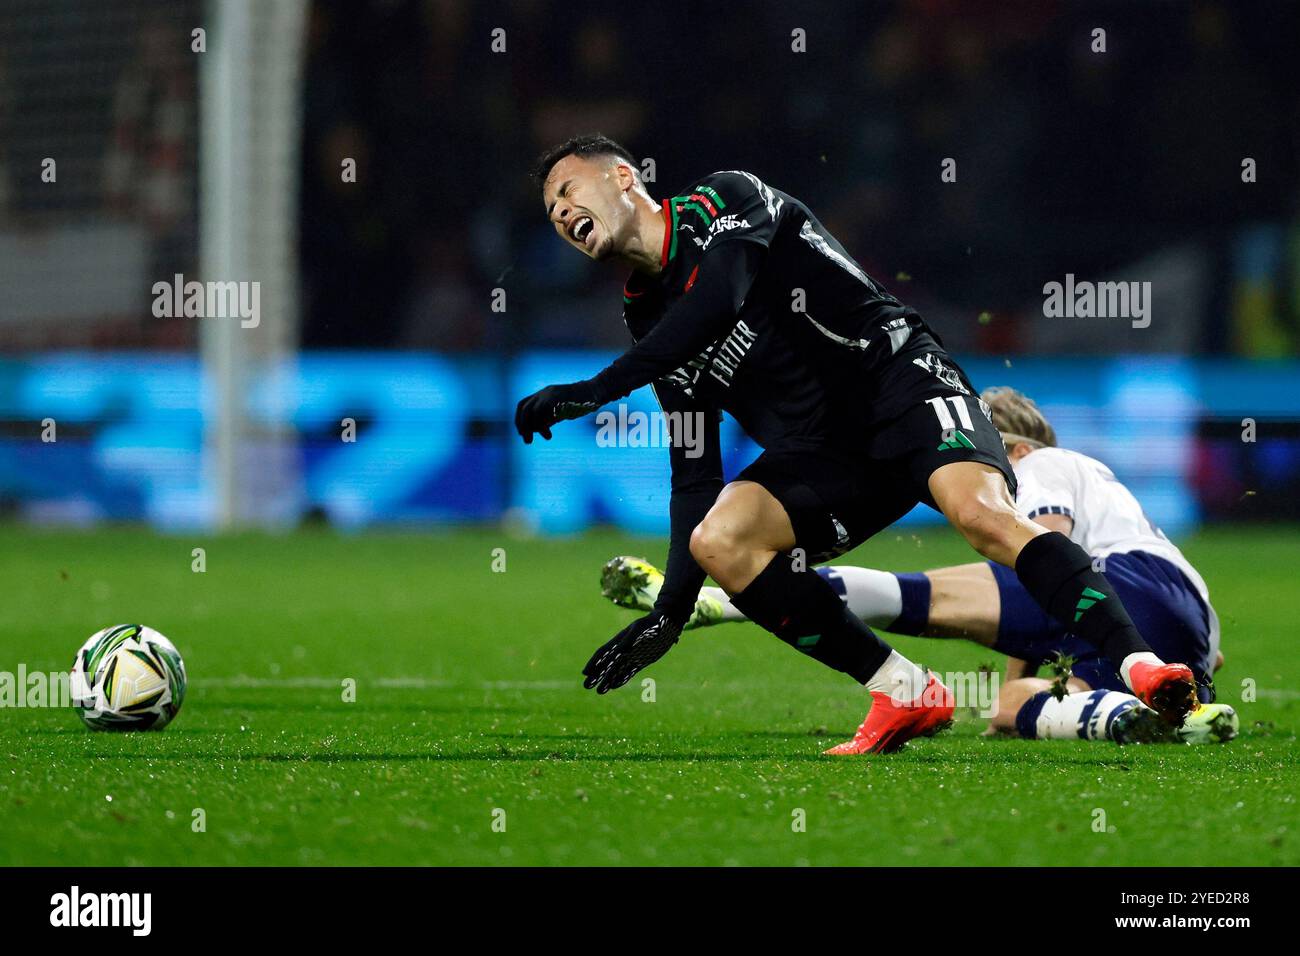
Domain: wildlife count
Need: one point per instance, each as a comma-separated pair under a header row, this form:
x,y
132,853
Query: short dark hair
x,y
589,144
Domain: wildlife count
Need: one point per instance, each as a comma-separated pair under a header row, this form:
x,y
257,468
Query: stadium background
x,y
381,299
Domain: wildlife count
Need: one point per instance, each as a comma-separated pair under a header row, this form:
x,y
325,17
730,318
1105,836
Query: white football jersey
x,y
1107,518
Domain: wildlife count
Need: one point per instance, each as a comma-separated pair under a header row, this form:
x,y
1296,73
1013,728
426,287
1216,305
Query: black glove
x,y
632,649
555,403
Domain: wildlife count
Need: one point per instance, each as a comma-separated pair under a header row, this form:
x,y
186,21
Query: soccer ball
x,y
127,677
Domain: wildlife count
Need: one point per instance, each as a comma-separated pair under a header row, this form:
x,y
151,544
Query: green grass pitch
x,y
468,701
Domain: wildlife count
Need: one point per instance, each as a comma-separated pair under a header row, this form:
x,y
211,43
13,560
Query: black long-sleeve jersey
x,y
758,311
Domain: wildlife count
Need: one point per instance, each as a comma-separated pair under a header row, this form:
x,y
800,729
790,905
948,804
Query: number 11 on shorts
x,y
945,417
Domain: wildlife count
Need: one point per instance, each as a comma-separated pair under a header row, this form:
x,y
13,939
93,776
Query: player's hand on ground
x,y
632,649
536,413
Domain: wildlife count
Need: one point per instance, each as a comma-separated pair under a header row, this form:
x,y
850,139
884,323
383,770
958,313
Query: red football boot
x,y
889,724
1168,689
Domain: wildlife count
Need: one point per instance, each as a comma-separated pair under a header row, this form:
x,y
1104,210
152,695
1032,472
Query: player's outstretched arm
x,y
696,482
705,313
700,317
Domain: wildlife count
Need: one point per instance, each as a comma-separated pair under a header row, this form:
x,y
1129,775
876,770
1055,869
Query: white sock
x,y
899,678
1086,715
1137,657
729,611
874,596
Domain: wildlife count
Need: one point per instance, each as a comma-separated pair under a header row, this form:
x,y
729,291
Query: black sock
x,y
1058,574
804,611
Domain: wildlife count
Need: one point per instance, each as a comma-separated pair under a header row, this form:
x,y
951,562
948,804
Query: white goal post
x,y
250,112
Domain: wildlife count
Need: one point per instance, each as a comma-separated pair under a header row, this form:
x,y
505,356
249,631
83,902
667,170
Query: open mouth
x,y
581,229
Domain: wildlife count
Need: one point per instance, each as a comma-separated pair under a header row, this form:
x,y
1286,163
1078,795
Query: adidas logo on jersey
x,y
953,439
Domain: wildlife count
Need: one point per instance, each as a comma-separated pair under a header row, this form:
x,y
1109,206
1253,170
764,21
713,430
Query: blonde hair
x,y
1018,419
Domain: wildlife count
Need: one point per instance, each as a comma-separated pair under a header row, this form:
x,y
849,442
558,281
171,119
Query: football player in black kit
x,y
740,301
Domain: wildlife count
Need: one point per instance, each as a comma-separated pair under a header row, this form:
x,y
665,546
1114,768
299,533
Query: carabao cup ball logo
x,y
127,677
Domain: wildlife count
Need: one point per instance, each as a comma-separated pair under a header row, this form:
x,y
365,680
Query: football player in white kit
x,y
984,602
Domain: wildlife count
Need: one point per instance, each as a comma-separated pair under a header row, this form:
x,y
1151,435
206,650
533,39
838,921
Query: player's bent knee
x,y
704,543
714,544
740,534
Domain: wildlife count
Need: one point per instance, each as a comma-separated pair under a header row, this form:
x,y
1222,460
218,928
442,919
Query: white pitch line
x,y
1279,693
243,681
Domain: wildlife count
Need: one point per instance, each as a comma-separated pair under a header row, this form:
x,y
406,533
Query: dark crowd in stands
x,y
1068,160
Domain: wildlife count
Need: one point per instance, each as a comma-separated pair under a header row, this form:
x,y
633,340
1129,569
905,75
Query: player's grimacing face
x,y
587,204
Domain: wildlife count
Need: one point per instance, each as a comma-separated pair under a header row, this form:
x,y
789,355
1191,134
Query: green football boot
x,y
634,583
1209,724
1206,724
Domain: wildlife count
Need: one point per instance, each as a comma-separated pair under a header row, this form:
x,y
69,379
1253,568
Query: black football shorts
x,y
834,504
836,501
